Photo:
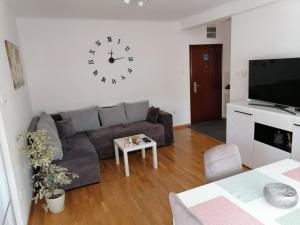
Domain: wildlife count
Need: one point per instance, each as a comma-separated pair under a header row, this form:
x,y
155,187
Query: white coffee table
x,y
121,144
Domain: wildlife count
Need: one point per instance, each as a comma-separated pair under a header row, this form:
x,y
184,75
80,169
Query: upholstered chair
x,y
181,214
222,161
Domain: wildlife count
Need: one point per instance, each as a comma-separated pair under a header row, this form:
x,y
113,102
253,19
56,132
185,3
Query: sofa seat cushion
x,y
77,146
80,157
103,138
147,128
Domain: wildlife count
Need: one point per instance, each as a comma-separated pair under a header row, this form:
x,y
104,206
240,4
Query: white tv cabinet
x,y
254,129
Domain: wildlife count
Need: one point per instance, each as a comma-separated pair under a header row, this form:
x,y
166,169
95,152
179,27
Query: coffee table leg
x,y
143,153
126,164
117,154
154,155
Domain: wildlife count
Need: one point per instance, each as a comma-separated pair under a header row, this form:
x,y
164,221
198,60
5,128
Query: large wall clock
x,y
110,60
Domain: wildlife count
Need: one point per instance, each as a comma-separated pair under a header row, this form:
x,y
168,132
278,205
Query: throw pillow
x,y
47,123
136,111
65,128
153,114
111,116
48,119
83,119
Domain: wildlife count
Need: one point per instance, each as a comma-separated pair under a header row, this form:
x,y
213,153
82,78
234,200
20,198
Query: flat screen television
x,y
275,80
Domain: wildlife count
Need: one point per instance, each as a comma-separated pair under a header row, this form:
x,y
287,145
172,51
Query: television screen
x,y
275,80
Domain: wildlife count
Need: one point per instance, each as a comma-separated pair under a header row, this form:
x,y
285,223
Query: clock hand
x,y
111,59
119,58
111,54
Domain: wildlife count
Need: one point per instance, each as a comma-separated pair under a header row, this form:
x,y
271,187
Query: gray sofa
x,y
83,150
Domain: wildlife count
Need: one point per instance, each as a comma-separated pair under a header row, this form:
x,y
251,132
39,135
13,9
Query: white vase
x,y
57,205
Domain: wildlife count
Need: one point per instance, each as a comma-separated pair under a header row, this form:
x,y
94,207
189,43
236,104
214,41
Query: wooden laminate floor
x,y
142,198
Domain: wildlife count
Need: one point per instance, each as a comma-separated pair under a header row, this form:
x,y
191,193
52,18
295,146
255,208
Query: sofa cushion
x,y
65,128
80,157
153,114
103,138
47,124
136,111
154,131
83,119
112,116
77,146
45,117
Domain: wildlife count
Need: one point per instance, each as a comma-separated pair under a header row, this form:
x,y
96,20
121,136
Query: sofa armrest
x,y
166,119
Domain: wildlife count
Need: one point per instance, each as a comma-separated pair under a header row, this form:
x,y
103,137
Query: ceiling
x,y
112,9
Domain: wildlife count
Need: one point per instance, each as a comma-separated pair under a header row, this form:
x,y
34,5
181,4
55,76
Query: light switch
x,y
3,100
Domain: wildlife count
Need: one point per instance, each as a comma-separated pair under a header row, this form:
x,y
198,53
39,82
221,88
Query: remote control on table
x,y
147,140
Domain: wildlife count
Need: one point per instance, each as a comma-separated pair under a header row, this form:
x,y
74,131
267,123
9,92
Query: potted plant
x,y
47,178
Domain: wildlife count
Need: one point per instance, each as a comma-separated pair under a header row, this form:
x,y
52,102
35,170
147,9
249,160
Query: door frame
x,y
191,85
13,189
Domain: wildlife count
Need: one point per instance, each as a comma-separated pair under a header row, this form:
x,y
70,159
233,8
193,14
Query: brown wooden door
x,y
206,83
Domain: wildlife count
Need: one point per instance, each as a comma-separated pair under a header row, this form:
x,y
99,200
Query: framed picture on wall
x,y
15,64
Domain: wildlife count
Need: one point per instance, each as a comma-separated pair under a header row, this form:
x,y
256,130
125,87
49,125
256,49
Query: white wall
x,y
56,55
271,31
15,117
225,10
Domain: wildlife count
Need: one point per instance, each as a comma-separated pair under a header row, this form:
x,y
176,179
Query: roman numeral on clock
x,y
123,77
91,62
113,81
129,70
98,43
127,48
109,39
119,41
95,72
130,59
92,52
103,79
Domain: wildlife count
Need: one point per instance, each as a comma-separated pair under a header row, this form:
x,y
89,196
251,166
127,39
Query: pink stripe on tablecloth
x,y
294,174
221,211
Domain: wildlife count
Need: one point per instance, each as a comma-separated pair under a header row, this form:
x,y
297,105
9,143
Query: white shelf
x,y
239,132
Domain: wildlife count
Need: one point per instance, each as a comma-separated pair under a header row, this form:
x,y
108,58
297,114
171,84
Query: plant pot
x,y
56,205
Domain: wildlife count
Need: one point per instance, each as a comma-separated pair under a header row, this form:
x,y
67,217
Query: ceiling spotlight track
x,y
139,2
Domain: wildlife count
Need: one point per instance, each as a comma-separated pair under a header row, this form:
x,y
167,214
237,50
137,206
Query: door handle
x,y
196,87
248,114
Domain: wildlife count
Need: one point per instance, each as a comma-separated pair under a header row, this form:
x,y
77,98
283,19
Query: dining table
x,y
239,199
